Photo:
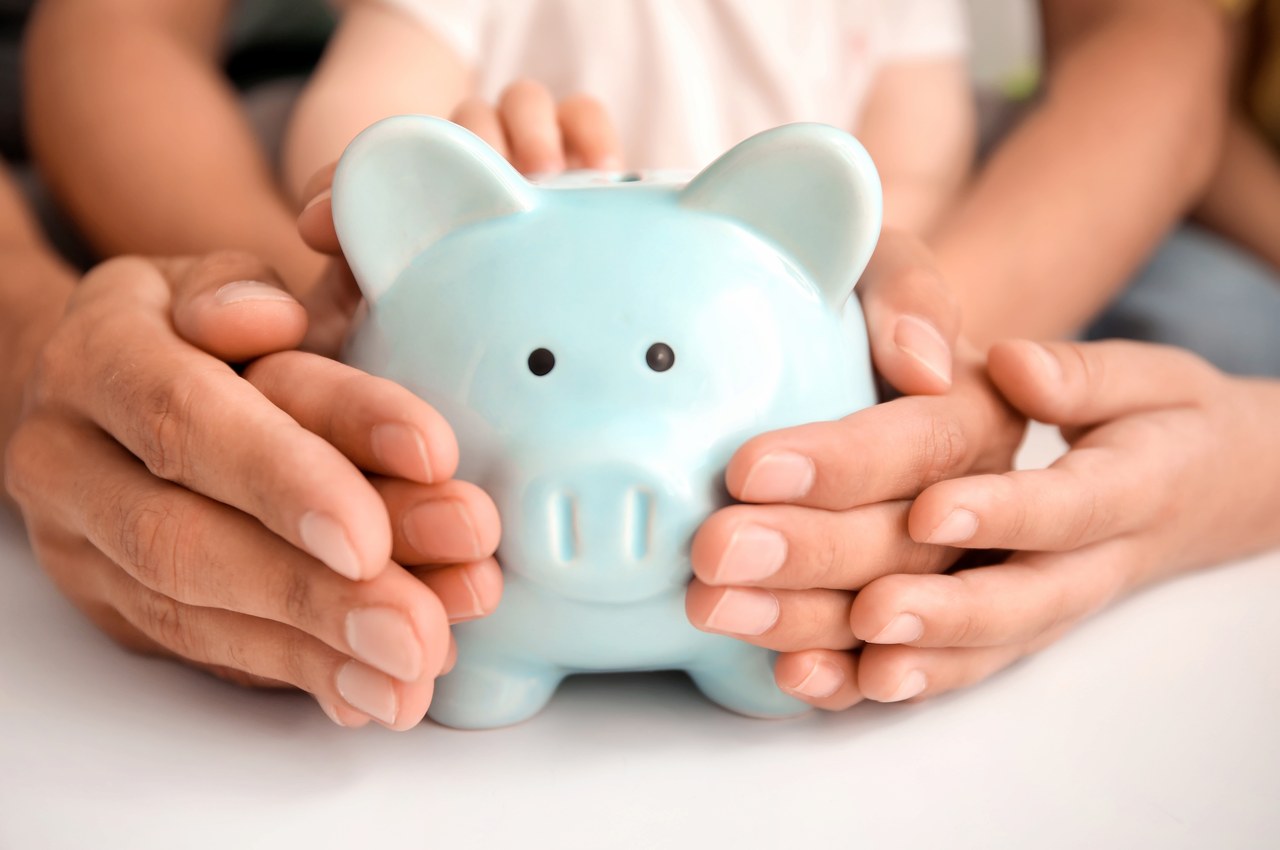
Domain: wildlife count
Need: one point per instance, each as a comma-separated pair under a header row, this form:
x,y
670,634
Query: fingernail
x,y
823,680
383,638
249,290
1053,368
441,529
754,552
610,162
779,477
922,342
326,540
912,685
959,526
744,612
462,591
401,447
903,628
369,691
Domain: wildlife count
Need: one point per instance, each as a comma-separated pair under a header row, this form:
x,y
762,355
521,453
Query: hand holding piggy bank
x,y
601,347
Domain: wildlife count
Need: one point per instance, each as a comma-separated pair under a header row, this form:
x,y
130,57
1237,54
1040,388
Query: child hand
x,y
827,503
1172,466
190,514
539,136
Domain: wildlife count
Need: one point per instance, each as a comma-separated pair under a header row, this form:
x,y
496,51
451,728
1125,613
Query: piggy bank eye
x,y
660,357
541,361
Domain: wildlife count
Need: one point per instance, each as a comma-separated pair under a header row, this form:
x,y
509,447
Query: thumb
x,y
912,318
232,306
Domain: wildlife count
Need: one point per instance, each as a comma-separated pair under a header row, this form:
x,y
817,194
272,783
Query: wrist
x,y
34,291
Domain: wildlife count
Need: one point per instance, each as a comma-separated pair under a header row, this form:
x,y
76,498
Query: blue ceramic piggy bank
x,y
601,346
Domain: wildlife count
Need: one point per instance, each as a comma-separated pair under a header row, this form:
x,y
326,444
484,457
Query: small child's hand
x,y
192,513
539,136
828,502
1172,466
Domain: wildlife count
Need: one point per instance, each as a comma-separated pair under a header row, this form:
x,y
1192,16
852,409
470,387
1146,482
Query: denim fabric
x,y
1202,293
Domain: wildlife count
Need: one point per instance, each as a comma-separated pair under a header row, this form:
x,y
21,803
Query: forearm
x,y
1243,199
1078,196
379,63
919,124
146,143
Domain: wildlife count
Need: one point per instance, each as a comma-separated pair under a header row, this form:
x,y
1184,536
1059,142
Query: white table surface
x,y
1154,725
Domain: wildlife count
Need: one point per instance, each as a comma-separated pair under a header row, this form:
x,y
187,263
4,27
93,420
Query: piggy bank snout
x,y
613,532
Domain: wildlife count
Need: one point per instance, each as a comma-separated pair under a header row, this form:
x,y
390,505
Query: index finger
x,y
889,451
193,421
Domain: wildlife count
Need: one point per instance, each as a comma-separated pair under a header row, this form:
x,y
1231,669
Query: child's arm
x,y
1121,146
919,125
379,62
143,138
383,61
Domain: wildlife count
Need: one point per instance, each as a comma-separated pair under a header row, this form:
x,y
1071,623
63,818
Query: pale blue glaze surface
x,y
603,468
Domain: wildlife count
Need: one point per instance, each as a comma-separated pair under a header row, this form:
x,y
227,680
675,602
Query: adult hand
x,y
1172,466
221,520
826,504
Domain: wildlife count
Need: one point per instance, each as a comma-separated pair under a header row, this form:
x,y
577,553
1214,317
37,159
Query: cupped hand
x,y
825,505
1172,465
224,520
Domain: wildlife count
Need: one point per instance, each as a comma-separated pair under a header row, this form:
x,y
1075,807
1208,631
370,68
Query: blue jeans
x,y
1202,293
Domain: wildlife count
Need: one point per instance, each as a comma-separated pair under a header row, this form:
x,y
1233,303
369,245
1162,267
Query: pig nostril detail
x,y
639,523
660,357
564,527
541,361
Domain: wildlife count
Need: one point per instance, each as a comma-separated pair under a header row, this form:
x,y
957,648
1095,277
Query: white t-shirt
x,y
687,79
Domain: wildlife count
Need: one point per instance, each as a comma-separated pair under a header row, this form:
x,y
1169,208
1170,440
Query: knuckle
x,y
163,435
60,361
828,559
964,624
1088,522
155,537
237,658
294,654
163,619
1087,370
945,450
296,598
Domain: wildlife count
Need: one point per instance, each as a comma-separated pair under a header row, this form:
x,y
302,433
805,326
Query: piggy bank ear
x,y
809,188
406,182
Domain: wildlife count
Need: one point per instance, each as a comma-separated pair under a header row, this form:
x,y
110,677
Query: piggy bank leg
x,y
485,694
740,678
